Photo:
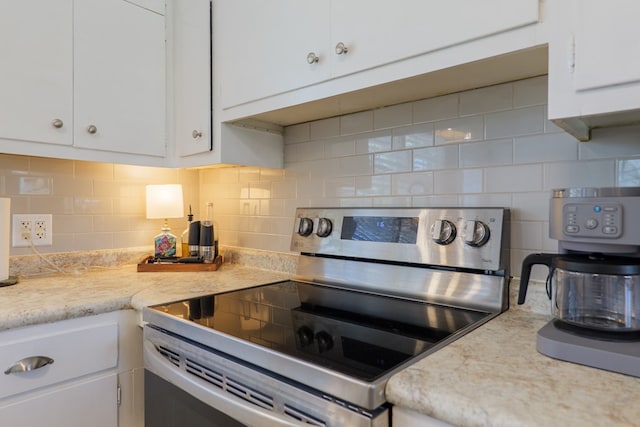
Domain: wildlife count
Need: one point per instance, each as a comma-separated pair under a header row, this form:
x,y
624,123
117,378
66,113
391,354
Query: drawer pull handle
x,y
29,364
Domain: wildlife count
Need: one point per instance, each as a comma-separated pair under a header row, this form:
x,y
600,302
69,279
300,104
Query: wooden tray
x,y
146,266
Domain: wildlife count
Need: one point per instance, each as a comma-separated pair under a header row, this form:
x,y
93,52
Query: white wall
x,y
486,147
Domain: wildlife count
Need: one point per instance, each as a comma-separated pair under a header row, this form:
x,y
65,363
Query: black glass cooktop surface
x,y
356,333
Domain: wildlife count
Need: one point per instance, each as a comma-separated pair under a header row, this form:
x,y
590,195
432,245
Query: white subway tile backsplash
x,y
530,92
459,130
485,199
523,121
339,187
458,181
340,148
297,133
628,173
526,235
514,179
312,150
355,165
376,185
356,123
283,190
390,202
486,153
412,183
439,200
439,108
412,136
550,147
323,129
393,116
373,142
580,174
612,143
487,99
433,158
531,206
395,161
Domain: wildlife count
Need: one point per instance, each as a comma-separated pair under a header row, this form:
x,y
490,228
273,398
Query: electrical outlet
x,y
36,228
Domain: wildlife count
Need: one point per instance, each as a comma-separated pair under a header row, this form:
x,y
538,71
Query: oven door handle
x,y
231,405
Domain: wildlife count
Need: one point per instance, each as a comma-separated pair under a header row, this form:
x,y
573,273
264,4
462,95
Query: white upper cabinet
x,y
380,32
594,64
119,78
192,80
83,79
266,45
301,52
36,76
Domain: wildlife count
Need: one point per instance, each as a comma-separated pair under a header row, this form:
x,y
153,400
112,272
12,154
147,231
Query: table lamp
x,y
164,202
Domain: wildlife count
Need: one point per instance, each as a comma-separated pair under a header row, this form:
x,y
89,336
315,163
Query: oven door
x,y
188,384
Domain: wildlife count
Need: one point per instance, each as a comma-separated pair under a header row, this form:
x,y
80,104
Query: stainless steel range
x,y
376,289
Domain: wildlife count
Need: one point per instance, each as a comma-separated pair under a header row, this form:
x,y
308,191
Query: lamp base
x,y
164,244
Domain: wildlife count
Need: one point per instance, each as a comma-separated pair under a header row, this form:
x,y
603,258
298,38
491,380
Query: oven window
x,y
380,229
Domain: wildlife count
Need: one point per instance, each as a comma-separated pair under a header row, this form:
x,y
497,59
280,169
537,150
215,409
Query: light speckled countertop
x,y
52,298
492,376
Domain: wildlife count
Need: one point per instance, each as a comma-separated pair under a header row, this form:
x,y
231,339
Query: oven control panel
x,y
460,237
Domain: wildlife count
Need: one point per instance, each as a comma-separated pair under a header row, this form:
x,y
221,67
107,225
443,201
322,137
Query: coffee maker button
x,y
591,223
572,229
610,230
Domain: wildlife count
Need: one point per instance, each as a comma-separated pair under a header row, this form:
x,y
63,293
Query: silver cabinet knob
x,y
92,129
29,364
312,58
341,49
196,134
57,123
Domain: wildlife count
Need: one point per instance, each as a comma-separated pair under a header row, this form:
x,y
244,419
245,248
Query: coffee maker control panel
x,y
592,220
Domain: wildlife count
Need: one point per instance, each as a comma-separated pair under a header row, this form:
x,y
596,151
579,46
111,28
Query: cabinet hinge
x,y
119,394
572,54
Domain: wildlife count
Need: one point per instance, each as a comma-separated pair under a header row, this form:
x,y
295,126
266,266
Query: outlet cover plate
x,y
35,227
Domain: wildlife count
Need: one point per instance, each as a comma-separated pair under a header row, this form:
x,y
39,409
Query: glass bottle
x,y
184,237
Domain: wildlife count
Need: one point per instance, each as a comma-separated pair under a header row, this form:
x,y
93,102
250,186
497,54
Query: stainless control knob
x,y
325,226
443,232
305,228
324,341
475,233
92,129
341,49
312,58
57,123
196,134
305,335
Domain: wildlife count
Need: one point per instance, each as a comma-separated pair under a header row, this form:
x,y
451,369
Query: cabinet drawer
x,y
76,350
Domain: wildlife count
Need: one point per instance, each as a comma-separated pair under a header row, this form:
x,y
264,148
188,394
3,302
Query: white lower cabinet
x,y
70,373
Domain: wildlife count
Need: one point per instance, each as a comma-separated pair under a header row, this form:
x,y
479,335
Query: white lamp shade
x,y
164,201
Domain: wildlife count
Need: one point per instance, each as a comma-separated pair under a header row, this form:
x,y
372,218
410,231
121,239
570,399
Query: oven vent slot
x,y
302,417
172,356
208,375
250,395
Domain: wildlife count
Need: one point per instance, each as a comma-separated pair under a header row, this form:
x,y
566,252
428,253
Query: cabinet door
x,y
92,403
265,47
594,64
192,76
606,44
119,77
379,32
36,75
